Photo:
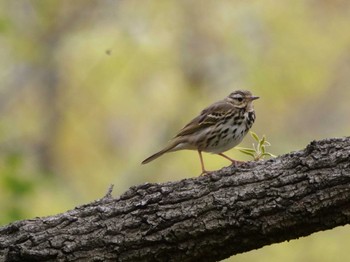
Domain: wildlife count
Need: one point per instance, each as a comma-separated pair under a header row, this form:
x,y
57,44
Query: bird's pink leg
x,y
204,172
234,162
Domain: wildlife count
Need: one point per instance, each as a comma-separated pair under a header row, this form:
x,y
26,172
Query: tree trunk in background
x,y
206,218
48,74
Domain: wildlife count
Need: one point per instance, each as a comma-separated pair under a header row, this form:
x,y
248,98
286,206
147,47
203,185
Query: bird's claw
x,y
236,163
204,172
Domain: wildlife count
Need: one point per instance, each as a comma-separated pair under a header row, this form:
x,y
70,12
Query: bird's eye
x,y
239,99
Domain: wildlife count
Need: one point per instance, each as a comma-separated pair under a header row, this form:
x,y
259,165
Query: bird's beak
x,y
254,98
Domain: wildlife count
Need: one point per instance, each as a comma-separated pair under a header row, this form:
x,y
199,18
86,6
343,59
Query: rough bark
x,y
206,218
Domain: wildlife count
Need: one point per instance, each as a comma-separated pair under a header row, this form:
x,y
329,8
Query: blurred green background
x,y
88,89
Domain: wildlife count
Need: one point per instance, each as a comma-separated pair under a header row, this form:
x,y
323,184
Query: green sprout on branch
x,y
258,151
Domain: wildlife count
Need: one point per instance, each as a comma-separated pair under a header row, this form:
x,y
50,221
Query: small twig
x,y
109,192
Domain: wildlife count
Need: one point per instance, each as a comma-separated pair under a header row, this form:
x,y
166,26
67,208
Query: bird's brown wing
x,y
206,118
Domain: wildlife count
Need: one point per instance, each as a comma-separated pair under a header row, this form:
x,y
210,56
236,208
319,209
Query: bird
x,y
218,128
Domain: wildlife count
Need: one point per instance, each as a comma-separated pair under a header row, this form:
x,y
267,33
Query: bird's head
x,y
241,99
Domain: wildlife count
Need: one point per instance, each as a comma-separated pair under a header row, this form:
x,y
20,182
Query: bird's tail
x,y
160,153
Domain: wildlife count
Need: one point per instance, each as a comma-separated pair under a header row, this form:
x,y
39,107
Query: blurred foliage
x,y
88,89
15,187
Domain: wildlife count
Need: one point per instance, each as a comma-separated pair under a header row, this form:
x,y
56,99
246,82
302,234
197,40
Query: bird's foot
x,y
205,172
237,162
234,162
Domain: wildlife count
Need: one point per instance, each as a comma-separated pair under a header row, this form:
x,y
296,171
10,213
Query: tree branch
x,y
207,218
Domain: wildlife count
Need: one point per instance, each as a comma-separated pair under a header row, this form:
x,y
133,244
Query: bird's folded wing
x,y
208,117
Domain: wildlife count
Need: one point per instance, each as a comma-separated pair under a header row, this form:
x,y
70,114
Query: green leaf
x,y
262,142
267,143
255,136
249,154
255,147
269,154
263,149
247,150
